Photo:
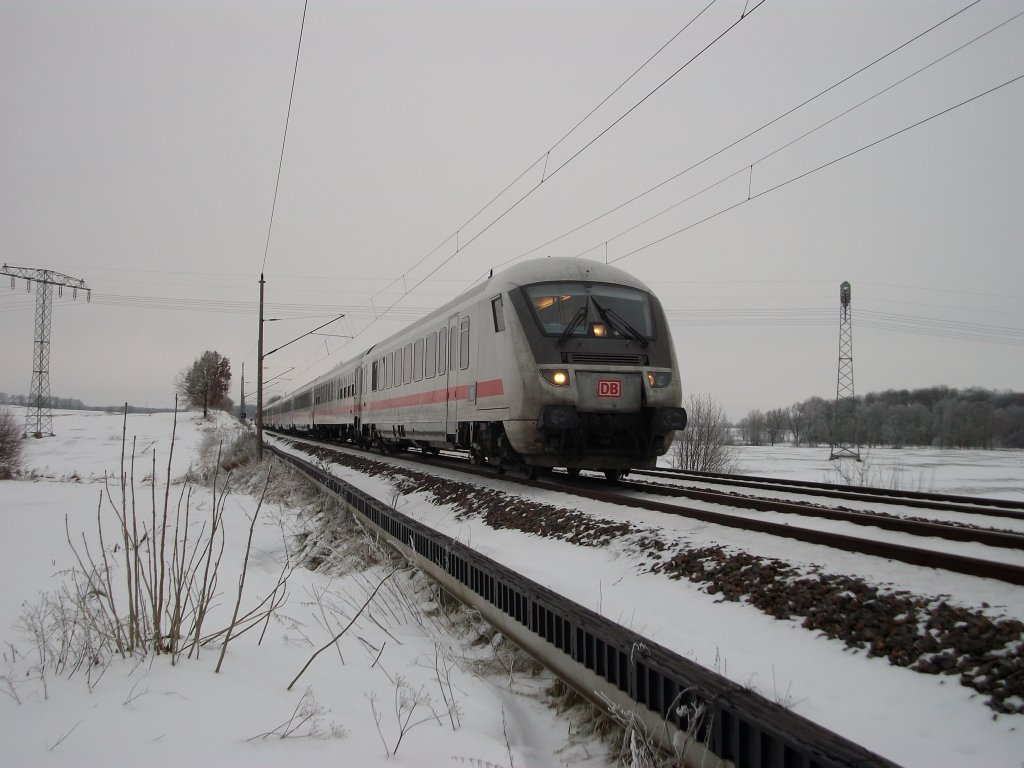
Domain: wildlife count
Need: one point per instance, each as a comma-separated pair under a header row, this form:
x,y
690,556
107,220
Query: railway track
x,y
635,495
931,501
942,639
704,718
952,531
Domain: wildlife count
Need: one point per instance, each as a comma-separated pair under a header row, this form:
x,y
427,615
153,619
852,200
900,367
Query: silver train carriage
x,y
552,363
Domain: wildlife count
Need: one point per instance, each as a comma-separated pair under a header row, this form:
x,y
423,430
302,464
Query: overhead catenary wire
x,y
543,158
284,138
750,166
819,168
746,15
461,246
741,139
762,193
824,317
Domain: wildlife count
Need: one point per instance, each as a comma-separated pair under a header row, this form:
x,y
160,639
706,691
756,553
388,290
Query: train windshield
x,y
591,309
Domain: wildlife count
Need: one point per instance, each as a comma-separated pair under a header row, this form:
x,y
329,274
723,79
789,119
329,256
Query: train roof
x,y
546,270
524,273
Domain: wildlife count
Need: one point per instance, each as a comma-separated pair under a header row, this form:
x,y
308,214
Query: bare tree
x,y
10,445
752,426
705,444
775,422
206,382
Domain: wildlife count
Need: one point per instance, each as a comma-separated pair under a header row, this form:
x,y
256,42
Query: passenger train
x,y
554,362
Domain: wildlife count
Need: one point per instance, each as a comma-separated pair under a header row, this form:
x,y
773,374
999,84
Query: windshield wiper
x,y
618,323
580,318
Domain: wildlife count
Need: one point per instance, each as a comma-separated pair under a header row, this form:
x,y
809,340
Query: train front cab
x,y
606,394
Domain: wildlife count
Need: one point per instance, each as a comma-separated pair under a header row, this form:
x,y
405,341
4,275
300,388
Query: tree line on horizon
x,y
74,404
940,417
203,384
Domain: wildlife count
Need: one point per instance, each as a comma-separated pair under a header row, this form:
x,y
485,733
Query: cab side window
x,y
497,311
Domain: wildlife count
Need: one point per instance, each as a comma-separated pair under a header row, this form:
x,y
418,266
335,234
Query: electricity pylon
x,y
39,419
845,422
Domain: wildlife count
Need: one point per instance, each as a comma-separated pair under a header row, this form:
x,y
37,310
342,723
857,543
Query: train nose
x,y
558,417
667,419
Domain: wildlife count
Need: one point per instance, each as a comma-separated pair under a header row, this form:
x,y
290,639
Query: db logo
x,y
609,388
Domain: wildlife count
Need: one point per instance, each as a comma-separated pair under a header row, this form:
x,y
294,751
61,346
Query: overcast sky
x,y
140,144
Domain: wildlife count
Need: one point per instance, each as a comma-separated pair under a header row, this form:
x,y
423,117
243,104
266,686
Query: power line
x,y
285,311
455,235
821,167
823,317
743,138
746,15
750,167
284,138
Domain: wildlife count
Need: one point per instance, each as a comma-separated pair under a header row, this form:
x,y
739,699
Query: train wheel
x,y
572,471
613,475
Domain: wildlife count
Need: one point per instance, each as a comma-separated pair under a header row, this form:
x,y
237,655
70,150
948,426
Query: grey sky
x,y
140,143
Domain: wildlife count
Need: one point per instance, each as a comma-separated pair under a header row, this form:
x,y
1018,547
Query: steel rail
x,y
971,566
934,501
902,525
721,723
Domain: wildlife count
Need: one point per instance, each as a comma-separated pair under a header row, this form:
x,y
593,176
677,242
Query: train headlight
x,y
658,379
557,376
599,329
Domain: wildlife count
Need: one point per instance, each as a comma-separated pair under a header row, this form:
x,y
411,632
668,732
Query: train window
x,y
398,367
407,366
591,308
453,348
373,376
442,350
464,344
417,360
430,357
498,313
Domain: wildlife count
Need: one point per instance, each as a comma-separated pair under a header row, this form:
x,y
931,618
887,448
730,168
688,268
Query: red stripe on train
x,y
490,388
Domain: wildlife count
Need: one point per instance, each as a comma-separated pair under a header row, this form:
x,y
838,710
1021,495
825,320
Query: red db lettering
x,y
609,388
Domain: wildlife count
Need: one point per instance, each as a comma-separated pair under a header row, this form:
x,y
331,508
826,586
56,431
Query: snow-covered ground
x,y
392,662
164,716
994,474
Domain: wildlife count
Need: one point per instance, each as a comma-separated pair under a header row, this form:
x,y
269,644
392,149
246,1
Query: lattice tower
x,y
39,418
845,435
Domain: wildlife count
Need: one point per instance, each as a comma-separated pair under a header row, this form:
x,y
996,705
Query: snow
x,y
990,474
164,715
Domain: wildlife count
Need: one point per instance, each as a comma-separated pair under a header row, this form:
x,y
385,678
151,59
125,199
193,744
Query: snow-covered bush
x,y
10,446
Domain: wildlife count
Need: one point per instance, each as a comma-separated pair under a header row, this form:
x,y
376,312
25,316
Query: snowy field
x,y
994,474
392,667
165,716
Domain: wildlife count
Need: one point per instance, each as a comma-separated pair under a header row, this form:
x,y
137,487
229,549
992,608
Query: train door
x,y
452,419
357,402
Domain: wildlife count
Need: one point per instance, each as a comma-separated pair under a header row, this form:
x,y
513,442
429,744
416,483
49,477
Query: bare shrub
x,y
305,722
152,590
10,446
705,445
865,472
